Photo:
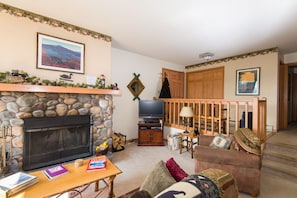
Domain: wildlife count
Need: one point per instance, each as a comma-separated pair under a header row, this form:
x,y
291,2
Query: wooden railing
x,y
213,116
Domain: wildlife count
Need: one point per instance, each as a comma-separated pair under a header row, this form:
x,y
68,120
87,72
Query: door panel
x,y
206,84
176,82
294,98
283,97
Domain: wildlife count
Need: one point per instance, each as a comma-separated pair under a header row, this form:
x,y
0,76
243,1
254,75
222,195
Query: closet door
x,y
206,84
176,82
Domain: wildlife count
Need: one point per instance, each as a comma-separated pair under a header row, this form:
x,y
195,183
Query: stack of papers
x,y
16,182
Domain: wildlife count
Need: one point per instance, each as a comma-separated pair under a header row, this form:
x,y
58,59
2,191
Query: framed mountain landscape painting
x,y
59,54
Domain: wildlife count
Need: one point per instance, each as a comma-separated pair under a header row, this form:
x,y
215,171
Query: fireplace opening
x,y
53,140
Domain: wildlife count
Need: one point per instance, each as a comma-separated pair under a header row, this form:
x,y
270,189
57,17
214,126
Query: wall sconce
x,y
187,113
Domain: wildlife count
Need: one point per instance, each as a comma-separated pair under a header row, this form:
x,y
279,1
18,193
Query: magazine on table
x,y
56,171
97,163
16,182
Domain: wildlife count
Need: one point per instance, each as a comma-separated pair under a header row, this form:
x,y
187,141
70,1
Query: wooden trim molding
x,y
232,58
52,22
56,89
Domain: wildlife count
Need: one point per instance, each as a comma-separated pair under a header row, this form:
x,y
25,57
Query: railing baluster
x,y
219,114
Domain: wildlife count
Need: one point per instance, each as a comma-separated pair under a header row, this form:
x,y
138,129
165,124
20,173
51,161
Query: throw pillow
x,y
248,140
193,186
158,179
175,170
221,141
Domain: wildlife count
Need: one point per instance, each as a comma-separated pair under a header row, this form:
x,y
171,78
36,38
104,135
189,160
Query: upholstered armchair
x,y
244,166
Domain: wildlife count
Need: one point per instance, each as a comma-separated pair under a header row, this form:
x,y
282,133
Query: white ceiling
x,y
178,31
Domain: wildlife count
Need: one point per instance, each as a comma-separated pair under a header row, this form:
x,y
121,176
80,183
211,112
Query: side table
x,y
187,141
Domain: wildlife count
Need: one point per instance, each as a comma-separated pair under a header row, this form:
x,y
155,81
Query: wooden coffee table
x,y
77,177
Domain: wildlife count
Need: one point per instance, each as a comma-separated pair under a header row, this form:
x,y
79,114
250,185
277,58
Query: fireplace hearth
x,y
53,140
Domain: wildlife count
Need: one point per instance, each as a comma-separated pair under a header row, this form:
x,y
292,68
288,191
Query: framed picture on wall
x,y
59,54
248,82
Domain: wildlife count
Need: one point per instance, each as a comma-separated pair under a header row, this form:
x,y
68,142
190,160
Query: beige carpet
x,y
136,162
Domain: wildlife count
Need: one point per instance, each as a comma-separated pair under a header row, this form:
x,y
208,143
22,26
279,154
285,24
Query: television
x,y
151,110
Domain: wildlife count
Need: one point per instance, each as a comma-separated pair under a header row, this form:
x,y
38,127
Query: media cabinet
x,y
150,134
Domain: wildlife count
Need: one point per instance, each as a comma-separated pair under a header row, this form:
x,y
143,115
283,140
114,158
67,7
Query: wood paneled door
x,y
176,82
207,83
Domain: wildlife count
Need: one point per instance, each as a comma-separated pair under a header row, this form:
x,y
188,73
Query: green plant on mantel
x,y
21,77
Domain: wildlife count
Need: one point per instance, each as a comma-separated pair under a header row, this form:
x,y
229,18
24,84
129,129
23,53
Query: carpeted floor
x,y
136,162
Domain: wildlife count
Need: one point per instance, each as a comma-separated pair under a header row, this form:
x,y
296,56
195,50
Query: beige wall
x,y
18,38
268,80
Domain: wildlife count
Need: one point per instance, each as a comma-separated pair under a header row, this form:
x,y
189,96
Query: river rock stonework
x,y
15,106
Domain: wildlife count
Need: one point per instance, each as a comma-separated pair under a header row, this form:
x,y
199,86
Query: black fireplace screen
x,y
53,140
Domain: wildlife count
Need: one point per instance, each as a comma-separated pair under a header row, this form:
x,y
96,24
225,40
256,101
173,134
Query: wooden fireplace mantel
x,y
55,89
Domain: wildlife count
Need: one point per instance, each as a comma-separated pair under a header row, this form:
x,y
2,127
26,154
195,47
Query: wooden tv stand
x,y
150,134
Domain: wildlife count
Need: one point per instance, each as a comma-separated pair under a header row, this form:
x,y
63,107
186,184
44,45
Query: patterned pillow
x,y
175,170
193,186
158,179
221,141
248,140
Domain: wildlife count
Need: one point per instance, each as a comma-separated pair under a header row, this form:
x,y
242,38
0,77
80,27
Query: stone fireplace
x,y
20,103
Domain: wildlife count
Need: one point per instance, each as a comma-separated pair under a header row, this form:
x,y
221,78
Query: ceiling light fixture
x,y
206,56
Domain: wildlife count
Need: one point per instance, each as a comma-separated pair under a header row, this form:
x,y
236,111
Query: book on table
x,y
16,182
97,163
56,171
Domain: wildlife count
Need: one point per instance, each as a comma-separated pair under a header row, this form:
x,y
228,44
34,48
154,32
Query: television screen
x,y
151,109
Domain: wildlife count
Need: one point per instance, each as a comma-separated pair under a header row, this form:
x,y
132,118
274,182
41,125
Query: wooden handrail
x,y
213,116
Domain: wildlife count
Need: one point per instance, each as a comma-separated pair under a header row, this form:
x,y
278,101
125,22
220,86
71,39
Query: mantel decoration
x,y
21,77
135,86
60,54
248,82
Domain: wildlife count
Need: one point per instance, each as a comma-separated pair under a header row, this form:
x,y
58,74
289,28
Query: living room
x,y
118,65
124,63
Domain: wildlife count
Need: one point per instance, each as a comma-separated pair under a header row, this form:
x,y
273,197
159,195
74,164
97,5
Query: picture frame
x,y
248,82
135,86
59,54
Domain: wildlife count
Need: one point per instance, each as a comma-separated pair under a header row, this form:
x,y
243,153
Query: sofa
x,y
168,179
243,162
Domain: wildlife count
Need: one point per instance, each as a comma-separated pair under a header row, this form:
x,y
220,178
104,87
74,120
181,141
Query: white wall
x,y
290,58
123,65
